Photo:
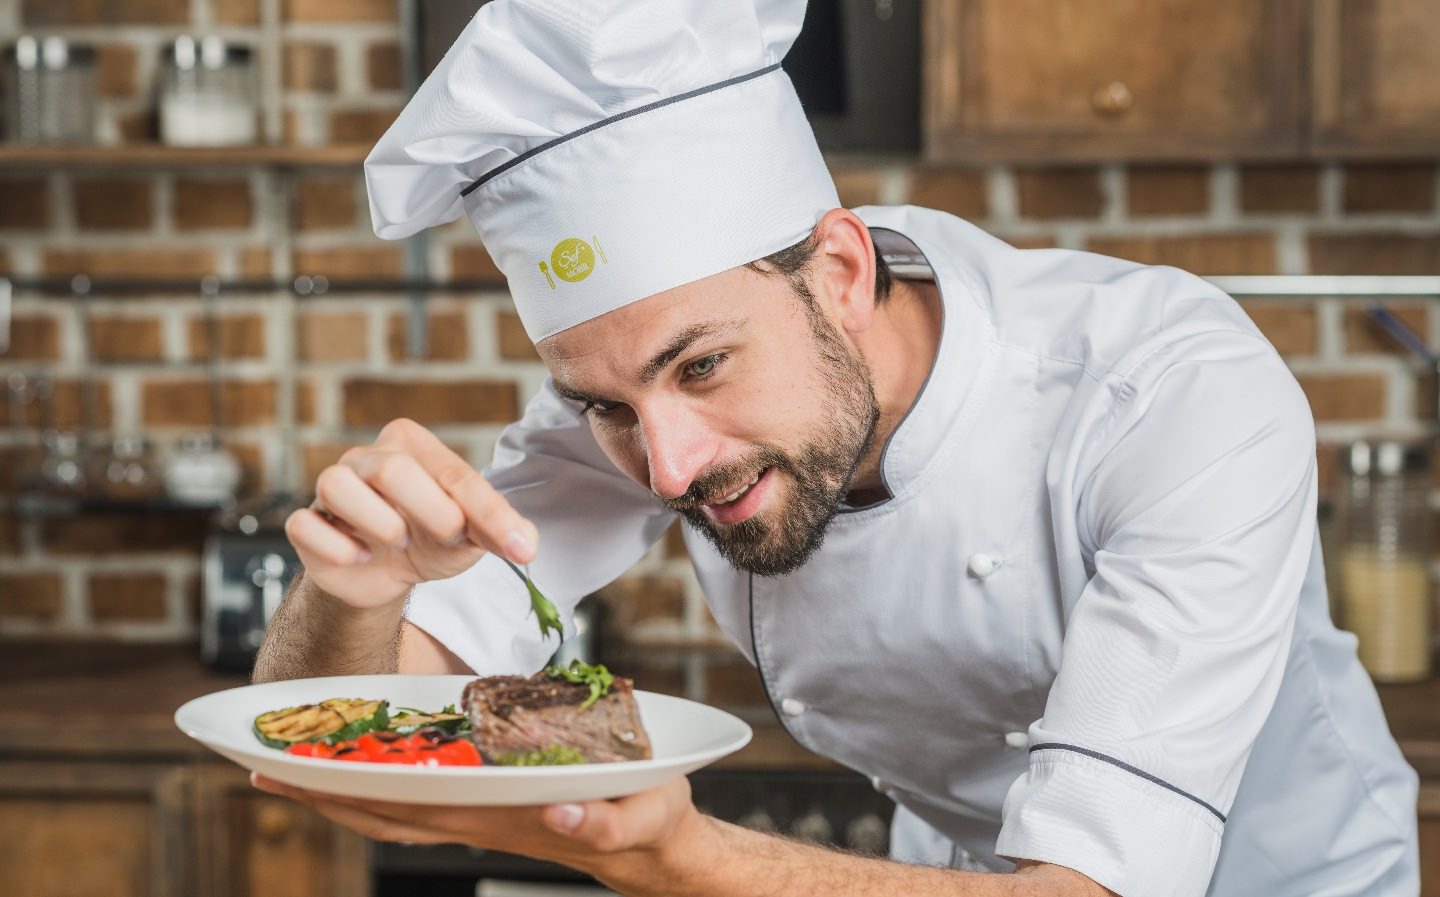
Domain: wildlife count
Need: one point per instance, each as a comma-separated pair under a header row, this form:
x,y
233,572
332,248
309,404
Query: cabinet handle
x,y
274,823
1112,100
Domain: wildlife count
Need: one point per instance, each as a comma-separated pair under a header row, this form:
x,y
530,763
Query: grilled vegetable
x,y
408,719
427,747
338,719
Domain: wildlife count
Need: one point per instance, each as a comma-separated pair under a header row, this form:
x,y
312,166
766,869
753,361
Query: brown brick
x,y
31,596
447,340
305,401
1363,336
857,186
138,126
1060,193
675,541
1289,326
33,338
240,336
1374,253
1390,187
374,403
87,535
472,262
340,10
379,260
1280,188
316,456
515,345
26,205
1252,253
118,203
204,204
733,682
360,125
252,466
187,403
325,203
1345,396
632,600
255,262
956,191
382,62
122,340
236,12
310,66
127,596
19,464
1169,190
68,404
129,262
105,12
115,66
1037,241
325,336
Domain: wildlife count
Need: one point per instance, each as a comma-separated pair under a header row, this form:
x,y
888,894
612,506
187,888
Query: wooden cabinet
x,y
1376,75
1011,80
1429,838
1088,80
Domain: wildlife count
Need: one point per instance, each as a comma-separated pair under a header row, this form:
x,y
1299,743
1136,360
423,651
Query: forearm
x,y
715,858
315,634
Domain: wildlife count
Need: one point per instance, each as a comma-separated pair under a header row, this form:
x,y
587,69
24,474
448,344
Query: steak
x,y
517,715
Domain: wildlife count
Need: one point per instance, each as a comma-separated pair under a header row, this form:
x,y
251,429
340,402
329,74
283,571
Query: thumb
x,y
598,825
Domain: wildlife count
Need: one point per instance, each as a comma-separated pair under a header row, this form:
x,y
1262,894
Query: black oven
x,y
856,66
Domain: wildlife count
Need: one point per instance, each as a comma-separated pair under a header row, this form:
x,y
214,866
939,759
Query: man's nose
x,y
677,448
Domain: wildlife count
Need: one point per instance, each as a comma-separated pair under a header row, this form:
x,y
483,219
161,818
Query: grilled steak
x,y
513,715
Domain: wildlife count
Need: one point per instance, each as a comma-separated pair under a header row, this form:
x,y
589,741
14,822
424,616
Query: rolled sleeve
x,y
1199,517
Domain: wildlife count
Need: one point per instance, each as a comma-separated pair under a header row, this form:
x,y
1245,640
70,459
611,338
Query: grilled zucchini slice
x,y
332,721
408,720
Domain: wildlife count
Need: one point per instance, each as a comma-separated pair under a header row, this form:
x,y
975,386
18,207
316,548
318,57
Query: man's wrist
x,y
673,867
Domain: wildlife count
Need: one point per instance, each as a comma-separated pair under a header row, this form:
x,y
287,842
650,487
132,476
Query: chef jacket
x,y
1089,625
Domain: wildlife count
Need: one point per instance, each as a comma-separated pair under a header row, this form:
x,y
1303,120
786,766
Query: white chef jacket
x,y
1089,626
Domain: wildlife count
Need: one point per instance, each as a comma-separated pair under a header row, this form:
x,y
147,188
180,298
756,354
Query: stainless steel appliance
x,y
248,563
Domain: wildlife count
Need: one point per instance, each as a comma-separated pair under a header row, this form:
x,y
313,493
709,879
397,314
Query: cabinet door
x,y
1429,839
94,830
253,844
1377,77
1017,80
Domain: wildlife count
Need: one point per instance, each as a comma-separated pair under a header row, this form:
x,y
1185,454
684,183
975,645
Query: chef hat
x,y
607,150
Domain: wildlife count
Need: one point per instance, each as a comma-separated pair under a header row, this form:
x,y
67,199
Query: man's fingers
x,y
406,485
492,522
342,493
313,535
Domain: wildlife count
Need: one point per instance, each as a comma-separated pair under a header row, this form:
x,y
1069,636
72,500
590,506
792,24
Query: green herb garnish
x,y
581,673
545,613
554,755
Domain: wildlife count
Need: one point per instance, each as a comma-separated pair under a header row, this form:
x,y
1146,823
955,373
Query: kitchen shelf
x,y
151,155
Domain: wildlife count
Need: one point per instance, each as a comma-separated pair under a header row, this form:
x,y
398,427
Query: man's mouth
x,y
742,503
738,492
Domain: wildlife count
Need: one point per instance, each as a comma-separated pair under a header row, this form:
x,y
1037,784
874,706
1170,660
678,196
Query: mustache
x,y
722,479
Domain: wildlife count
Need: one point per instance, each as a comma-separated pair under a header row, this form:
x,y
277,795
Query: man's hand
x,y
402,511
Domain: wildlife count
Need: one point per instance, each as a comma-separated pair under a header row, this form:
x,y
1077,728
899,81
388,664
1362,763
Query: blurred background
x,y
195,319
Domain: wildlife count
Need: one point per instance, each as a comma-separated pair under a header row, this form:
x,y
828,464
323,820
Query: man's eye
x,y
703,367
599,407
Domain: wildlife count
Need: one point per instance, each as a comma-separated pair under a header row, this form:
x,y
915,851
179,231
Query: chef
x,y
1028,537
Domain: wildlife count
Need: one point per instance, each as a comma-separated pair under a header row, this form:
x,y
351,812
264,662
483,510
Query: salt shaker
x,y
207,93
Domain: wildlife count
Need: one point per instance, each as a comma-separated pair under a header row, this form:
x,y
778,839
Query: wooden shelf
x,y
156,156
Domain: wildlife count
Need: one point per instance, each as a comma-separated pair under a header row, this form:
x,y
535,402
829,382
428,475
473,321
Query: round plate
x,y
685,736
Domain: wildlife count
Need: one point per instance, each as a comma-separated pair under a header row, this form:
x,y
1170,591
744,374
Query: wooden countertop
x,y
117,701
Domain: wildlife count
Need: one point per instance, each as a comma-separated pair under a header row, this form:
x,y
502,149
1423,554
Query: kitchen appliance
x,y
50,90
855,65
246,567
837,808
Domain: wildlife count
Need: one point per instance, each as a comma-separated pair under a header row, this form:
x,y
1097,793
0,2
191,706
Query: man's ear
x,y
844,269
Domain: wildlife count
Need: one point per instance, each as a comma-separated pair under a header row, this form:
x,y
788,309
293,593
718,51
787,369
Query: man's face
x,y
732,399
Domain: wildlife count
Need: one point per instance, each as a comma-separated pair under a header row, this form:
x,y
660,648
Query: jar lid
x,y
53,54
1388,458
186,53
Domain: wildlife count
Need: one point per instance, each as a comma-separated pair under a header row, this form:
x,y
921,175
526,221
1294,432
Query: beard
x,y
820,469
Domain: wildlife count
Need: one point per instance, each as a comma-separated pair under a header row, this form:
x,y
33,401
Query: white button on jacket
x,y
981,565
1146,461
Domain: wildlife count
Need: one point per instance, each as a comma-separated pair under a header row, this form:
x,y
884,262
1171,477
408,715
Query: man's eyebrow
x,y
573,395
680,342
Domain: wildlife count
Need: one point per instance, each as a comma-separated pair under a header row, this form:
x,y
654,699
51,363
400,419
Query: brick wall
x,y
338,364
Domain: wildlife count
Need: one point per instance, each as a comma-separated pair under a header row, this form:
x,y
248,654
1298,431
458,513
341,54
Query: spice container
x,y
50,88
207,93
1384,558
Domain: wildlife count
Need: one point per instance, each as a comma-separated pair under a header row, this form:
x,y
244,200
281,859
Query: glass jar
x,y
127,472
207,94
1384,563
50,89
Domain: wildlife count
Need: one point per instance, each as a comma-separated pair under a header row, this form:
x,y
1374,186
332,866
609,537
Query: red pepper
x,y
423,748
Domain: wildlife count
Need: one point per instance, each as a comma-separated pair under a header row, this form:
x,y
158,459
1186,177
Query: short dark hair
x,y
792,262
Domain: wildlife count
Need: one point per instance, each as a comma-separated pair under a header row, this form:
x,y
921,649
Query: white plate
x,y
685,736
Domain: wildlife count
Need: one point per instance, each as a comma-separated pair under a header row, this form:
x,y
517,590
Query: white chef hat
x,y
607,150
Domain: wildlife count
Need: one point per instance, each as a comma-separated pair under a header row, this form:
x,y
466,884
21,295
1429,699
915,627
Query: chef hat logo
x,y
665,128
